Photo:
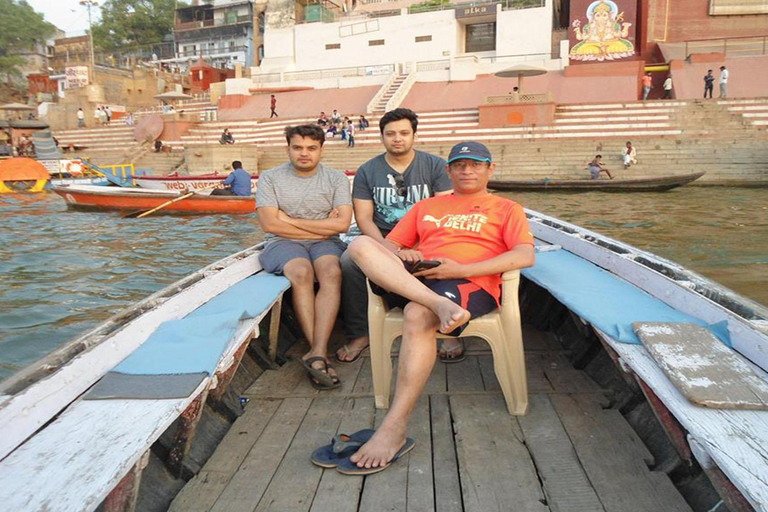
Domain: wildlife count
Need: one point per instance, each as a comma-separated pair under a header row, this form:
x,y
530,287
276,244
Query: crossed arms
x,y
275,221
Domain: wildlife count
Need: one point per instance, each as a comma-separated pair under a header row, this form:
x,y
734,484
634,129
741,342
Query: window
x,y
262,22
261,52
481,37
423,39
232,45
334,46
376,42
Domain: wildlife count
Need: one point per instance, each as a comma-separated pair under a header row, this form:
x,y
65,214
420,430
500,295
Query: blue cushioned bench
x,y
604,299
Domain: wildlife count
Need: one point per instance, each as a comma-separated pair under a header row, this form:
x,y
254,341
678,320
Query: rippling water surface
x,y
64,272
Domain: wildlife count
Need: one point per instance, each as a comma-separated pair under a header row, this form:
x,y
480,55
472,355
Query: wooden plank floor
x,y
567,454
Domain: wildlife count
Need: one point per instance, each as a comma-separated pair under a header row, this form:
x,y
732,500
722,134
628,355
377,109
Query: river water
x,y
63,272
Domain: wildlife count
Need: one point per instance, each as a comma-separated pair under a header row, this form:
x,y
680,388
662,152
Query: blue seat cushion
x,y
605,300
196,342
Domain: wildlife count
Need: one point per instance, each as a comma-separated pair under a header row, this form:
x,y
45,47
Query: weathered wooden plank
x,y
620,477
117,433
277,382
495,467
535,340
537,381
124,496
615,421
445,465
568,380
28,410
464,376
247,486
737,441
348,374
337,492
364,383
293,485
420,495
185,433
563,479
704,370
387,491
203,490
437,382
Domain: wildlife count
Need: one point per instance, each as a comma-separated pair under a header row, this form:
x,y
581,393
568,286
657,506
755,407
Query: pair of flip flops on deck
x,y
320,378
337,454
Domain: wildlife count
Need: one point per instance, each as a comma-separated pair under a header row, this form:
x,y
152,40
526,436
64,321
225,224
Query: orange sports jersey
x,y
466,230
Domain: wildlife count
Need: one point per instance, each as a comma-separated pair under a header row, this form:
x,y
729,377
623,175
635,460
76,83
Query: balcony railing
x,y
217,22
213,51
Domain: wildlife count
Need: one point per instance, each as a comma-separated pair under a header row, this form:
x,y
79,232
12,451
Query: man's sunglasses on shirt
x,y
400,185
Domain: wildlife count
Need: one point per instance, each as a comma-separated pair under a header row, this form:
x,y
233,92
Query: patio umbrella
x,y
520,71
173,95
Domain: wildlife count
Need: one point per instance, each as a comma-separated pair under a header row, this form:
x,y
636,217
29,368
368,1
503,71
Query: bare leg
x,y
417,358
386,270
299,272
328,272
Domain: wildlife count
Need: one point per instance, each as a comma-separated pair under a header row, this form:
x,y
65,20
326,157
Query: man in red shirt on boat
x,y
475,236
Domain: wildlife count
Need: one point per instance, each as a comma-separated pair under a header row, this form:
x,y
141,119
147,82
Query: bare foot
x,y
451,315
380,450
323,367
351,351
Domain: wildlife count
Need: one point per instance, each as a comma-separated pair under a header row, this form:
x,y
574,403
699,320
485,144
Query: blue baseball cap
x,y
470,150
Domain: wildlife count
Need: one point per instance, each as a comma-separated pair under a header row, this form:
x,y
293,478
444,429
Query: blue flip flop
x,y
342,447
347,467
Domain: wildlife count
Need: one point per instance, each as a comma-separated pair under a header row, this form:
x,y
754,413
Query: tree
x,y
131,23
20,28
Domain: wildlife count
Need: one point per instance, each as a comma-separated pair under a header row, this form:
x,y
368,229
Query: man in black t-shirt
x,y
385,188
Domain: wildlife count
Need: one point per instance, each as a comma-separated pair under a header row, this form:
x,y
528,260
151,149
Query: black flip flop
x,y
321,377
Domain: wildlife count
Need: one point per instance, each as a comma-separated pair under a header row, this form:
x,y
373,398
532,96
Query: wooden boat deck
x,y
567,454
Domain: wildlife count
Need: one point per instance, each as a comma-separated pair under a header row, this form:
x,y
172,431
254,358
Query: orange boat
x,y
88,197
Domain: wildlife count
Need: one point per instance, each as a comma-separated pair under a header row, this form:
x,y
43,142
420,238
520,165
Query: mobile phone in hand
x,y
423,265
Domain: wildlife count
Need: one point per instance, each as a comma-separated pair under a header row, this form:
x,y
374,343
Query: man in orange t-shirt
x,y
475,236
647,84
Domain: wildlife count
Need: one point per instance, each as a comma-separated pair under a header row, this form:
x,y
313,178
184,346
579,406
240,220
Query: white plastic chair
x,y
500,328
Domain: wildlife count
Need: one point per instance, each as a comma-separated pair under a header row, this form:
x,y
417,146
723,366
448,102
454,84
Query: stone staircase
x,y
381,105
671,137
754,111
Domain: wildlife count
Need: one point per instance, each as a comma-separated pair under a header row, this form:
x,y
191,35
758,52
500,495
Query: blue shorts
x,y
279,252
463,292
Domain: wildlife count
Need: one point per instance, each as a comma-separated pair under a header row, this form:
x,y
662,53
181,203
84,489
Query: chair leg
x,y
512,363
381,363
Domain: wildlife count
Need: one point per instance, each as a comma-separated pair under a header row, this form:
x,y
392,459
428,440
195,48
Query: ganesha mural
x,y
604,36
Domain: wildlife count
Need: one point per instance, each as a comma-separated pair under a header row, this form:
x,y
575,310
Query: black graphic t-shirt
x,y
377,181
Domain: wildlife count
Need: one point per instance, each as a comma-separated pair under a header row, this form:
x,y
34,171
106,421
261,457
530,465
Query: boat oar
x,y
143,213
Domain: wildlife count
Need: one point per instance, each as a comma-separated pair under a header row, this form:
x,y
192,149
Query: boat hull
x,y
630,185
207,182
111,198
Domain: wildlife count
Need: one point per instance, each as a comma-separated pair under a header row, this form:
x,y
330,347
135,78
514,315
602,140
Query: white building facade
x,y
451,44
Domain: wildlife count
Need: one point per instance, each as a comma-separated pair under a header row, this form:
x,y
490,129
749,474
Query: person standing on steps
x,y
668,88
385,188
709,84
723,82
80,118
647,85
273,106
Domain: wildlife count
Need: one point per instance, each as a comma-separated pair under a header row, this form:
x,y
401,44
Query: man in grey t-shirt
x,y
385,188
302,207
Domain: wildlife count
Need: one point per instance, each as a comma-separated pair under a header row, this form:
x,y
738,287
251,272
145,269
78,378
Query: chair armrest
x,y
510,281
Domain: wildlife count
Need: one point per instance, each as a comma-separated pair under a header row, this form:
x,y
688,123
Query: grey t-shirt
x,y
376,181
310,197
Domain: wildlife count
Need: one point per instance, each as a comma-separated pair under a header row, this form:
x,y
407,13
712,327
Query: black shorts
x,y
463,292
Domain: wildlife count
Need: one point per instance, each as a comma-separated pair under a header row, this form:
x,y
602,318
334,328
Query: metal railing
x,y
213,51
510,99
433,65
734,45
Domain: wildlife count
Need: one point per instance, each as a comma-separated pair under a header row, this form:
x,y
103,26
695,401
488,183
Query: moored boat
x,y
205,183
81,425
653,184
113,198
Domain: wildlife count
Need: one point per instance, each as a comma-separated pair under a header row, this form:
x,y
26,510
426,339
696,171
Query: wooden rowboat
x,y
198,182
593,439
113,198
655,184
176,183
